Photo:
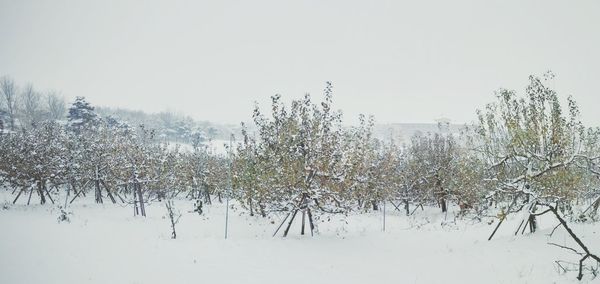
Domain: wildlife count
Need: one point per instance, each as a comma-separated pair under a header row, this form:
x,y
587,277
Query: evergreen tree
x,y
81,115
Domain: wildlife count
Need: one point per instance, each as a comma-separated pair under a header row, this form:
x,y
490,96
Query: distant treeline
x,y
25,107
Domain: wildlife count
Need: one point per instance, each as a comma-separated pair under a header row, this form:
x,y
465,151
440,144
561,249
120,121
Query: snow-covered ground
x,y
106,244
216,147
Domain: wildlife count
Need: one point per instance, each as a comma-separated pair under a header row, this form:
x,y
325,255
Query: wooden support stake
x,y
20,191
282,222
290,223
303,222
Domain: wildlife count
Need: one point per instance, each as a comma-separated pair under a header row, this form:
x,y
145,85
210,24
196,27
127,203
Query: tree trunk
x,y
40,191
207,196
443,204
375,206
135,202
141,199
532,224
250,205
442,194
97,186
263,213
310,221
69,186
98,193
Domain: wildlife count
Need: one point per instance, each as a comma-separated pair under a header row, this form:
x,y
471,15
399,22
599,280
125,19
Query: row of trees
x,y
302,158
524,154
169,125
110,161
27,107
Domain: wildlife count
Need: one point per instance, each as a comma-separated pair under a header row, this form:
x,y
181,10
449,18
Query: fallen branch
x,y
587,253
567,248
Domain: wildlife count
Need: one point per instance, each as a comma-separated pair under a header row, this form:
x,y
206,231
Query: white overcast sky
x,y
402,61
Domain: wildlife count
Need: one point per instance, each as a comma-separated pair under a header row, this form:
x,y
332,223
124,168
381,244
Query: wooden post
x,y
282,222
47,192
503,217
285,233
30,193
20,191
112,198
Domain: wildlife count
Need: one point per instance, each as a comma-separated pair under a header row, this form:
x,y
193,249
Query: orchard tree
x,y
98,158
137,171
432,163
532,151
303,158
195,164
249,175
590,166
364,165
168,171
530,146
34,160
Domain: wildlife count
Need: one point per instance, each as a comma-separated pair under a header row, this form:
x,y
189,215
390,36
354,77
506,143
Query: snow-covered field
x,y
216,147
106,244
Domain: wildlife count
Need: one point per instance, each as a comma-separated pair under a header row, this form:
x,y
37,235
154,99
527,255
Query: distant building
x,y
402,132
443,124
443,120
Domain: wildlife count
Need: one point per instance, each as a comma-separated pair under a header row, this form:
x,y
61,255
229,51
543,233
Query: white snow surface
x,y
104,243
216,147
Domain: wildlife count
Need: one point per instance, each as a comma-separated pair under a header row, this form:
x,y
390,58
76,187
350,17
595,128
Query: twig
x,y
552,233
567,248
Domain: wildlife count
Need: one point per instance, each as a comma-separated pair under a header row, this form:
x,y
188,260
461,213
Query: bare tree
x,y
9,100
33,112
57,107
